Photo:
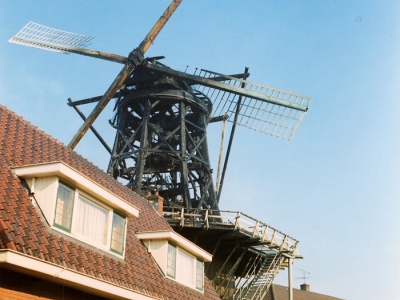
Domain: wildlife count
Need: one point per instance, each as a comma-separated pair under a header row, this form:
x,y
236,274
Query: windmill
x,y
161,117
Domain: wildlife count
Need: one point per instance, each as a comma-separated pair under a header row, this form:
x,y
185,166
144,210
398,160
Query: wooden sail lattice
x,y
273,118
42,37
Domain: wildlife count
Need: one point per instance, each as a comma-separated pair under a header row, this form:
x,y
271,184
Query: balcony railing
x,y
268,236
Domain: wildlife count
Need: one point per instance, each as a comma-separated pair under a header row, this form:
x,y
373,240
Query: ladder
x,y
257,288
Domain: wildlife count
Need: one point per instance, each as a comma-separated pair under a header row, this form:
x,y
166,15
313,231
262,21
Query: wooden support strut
x,y
228,151
184,158
226,261
144,147
101,105
135,58
102,141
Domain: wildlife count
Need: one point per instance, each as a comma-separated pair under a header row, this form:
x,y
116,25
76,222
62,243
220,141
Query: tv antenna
x,y
304,277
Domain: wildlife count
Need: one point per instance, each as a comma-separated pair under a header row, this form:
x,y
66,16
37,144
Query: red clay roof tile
x,y
279,292
21,143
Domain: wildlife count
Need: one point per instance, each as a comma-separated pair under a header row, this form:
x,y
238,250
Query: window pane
x,y
199,275
64,205
171,261
117,234
185,269
91,221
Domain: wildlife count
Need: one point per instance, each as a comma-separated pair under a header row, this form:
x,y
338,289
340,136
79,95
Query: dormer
x,y
77,206
178,258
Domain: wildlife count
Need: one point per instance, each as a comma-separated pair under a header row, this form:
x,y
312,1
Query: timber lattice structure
x,y
247,253
161,118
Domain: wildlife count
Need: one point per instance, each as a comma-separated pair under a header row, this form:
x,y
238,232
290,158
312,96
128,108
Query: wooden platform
x,y
246,252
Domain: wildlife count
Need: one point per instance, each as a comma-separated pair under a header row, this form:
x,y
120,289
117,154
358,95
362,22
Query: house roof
x,y
23,233
280,292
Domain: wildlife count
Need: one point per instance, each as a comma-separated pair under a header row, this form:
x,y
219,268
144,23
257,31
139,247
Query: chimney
x,y
305,287
156,200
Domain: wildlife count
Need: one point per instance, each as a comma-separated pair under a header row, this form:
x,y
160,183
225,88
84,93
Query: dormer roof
x,y
27,241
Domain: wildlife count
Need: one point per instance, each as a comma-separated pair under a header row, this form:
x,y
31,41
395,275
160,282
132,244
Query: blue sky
x,y
334,187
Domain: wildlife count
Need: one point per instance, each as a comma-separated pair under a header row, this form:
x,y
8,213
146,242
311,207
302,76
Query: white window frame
x,y
180,270
199,279
171,261
158,244
45,191
78,180
73,230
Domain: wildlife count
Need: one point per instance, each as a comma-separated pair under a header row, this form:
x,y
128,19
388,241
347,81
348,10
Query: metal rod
x,y
228,151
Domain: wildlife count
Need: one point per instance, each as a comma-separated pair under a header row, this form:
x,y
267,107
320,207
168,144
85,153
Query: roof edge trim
x,y
177,239
19,261
79,180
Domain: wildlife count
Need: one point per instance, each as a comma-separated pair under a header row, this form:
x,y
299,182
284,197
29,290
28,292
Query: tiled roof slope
x,y
280,292
21,228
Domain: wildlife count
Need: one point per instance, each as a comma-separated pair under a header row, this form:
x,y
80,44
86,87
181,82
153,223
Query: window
x,y
88,220
178,258
65,202
85,210
171,261
199,275
91,221
118,233
185,268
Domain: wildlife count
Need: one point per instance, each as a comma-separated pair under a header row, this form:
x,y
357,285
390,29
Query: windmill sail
x,y
160,149
39,36
46,38
265,109
277,118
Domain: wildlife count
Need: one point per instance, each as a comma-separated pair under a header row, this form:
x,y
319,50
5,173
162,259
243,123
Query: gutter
x,y
33,266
